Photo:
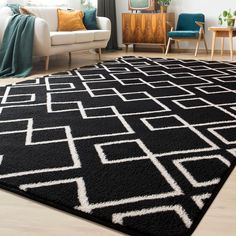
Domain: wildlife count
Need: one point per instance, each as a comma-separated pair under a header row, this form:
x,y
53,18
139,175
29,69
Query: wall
x,y
14,1
72,3
211,8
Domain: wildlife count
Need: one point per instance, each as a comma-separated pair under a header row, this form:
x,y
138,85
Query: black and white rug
x,y
137,144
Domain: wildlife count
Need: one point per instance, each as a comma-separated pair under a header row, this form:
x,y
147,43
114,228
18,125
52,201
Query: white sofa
x,y
48,41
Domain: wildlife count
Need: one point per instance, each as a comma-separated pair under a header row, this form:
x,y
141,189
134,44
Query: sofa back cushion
x,y
5,16
49,14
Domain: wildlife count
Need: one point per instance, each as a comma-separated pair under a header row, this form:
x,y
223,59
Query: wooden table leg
x,y
222,46
126,47
231,44
213,44
177,44
163,49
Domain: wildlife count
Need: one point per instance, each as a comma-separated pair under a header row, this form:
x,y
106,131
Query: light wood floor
x,y
22,217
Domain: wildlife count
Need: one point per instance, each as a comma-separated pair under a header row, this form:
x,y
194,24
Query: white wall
x,y
74,4
211,8
121,7
14,1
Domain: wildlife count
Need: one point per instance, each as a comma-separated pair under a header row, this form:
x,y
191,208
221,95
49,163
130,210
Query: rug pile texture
x,y
137,144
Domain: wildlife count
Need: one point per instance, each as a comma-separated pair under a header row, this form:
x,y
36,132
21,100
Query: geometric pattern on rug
x,y
142,145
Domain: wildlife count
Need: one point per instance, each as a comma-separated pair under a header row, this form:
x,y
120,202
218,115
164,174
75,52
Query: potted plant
x,y
164,5
229,17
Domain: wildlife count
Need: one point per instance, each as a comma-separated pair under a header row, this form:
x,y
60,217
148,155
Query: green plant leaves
x,y
225,13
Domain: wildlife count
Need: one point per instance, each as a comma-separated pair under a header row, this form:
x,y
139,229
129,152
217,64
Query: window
x,y
89,3
48,3
66,3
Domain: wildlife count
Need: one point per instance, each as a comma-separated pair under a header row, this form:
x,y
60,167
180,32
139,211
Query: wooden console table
x,y
222,32
146,28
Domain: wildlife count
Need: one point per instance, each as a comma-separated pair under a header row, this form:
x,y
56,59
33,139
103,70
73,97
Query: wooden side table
x,y
222,32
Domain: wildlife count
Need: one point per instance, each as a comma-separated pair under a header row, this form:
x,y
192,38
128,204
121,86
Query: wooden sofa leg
x,y
100,54
46,63
69,58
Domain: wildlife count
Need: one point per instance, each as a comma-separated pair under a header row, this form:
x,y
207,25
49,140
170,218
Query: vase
x,y
163,9
230,22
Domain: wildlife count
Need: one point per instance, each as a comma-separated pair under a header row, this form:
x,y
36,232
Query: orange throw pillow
x,y
70,20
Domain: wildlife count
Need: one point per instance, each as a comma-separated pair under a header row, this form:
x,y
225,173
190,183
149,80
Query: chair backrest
x,y
186,21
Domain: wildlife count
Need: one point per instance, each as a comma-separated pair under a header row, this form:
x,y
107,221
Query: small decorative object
x,y
87,4
140,5
228,17
164,5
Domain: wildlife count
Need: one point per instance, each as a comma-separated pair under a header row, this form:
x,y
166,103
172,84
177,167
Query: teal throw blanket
x,y
15,8
17,47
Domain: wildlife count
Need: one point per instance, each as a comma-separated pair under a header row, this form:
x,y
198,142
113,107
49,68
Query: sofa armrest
x,y
42,41
5,16
103,23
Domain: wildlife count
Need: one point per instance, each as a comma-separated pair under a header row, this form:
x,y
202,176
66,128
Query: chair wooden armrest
x,y
200,24
170,24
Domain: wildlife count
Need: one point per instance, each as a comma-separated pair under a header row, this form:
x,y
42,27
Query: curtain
x,y
107,8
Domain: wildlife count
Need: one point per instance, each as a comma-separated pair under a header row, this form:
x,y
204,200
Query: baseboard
x,y
153,48
185,50
145,48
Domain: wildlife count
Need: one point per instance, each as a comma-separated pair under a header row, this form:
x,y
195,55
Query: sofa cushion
x,y
90,19
49,14
70,20
5,16
100,34
84,36
183,34
63,38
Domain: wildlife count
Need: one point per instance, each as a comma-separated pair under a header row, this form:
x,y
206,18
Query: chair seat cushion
x,y
183,34
64,38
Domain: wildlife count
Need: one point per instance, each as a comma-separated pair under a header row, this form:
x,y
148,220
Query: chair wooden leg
x,y
100,54
46,63
197,46
70,58
168,46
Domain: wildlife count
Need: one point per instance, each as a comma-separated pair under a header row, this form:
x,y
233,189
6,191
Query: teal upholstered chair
x,y
189,27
